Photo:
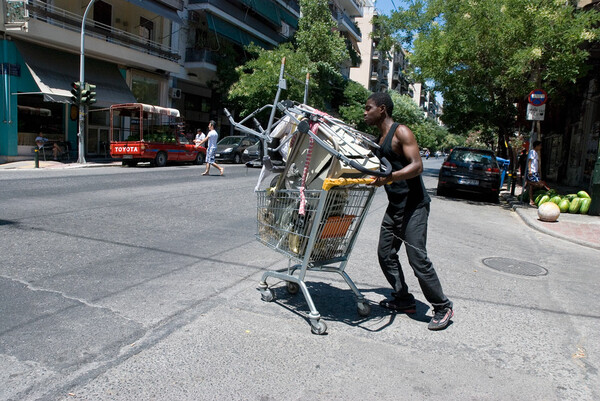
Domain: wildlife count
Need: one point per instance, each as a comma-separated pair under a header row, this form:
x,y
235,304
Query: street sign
x,y
536,113
537,97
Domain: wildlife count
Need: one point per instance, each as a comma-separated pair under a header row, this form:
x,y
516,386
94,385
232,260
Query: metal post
x,y
306,88
82,108
36,157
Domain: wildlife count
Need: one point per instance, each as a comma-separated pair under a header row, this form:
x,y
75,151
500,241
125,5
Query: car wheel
x,y
199,158
494,197
161,159
441,191
237,159
130,163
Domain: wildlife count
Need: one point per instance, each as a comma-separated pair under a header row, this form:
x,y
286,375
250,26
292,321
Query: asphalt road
x,y
140,283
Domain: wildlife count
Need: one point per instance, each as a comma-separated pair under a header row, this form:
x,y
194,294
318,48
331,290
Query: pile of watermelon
x,y
571,203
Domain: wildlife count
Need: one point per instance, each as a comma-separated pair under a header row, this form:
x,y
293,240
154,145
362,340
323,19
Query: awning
x,y
53,72
233,33
158,9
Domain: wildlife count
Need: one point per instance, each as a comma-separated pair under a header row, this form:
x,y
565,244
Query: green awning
x,y
289,19
233,33
265,8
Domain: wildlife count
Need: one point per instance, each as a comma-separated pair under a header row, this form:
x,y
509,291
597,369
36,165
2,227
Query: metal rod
x,y
82,108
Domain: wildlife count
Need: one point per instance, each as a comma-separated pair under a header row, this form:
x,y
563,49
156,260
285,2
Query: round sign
x,y
537,97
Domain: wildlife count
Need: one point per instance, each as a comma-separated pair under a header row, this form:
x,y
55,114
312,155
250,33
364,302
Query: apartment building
x,y
131,48
161,52
222,28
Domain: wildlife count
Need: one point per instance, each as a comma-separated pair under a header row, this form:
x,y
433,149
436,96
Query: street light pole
x,y
82,107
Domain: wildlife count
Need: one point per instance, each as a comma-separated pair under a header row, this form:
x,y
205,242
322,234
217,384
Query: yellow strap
x,y
332,182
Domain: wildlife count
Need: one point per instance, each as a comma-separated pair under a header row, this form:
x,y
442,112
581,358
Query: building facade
x,y
380,71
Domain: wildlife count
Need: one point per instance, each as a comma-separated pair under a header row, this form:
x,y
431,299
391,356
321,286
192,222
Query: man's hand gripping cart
x,y
316,209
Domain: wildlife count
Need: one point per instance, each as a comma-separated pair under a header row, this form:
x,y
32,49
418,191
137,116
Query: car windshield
x,y
470,156
230,140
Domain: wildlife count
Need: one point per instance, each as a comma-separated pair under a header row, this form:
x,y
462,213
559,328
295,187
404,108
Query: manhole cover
x,y
514,266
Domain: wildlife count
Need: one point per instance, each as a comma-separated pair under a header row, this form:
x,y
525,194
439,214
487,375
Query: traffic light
x,y
76,92
84,94
91,95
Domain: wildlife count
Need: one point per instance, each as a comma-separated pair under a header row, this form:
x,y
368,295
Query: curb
x,y
518,207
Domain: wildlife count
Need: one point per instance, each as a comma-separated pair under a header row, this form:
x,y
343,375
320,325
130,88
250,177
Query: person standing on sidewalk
x,y
533,171
406,216
211,149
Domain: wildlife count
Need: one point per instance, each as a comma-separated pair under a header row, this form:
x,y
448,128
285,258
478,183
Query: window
x,y
146,89
146,29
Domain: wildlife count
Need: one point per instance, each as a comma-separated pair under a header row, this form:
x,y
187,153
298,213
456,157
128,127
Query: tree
x,y
259,77
317,34
485,56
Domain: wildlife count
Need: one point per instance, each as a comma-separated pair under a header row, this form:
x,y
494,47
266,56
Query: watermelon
x,y
564,205
570,197
548,211
556,199
575,205
585,205
583,194
543,200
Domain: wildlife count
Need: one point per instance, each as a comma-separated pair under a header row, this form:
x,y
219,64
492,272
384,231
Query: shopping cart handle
x,y
387,168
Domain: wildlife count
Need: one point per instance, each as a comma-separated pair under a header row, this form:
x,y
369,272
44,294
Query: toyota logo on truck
x,y
126,149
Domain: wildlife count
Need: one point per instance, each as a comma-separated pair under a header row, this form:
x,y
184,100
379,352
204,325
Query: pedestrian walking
x,y
211,149
405,219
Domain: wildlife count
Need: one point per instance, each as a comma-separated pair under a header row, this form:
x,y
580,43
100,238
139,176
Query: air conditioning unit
x,y
285,29
175,93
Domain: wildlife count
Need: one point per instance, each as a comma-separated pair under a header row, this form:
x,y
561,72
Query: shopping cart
x,y
320,240
315,209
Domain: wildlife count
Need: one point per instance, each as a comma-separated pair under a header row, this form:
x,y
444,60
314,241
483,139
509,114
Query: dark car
x,y
252,156
231,148
470,170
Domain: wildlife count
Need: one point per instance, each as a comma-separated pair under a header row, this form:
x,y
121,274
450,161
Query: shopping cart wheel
x,y
293,288
267,295
364,309
318,328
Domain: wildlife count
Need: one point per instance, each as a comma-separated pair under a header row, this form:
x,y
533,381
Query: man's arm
x,y
404,142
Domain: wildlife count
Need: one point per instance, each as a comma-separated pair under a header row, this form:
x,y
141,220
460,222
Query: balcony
x,y
346,24
352,7
223,10
57,17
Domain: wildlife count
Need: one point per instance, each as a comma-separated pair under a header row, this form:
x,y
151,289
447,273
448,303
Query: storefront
x,y
36,91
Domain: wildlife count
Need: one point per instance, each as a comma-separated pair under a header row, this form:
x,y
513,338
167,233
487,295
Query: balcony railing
x,y
201,55
52,15
341,17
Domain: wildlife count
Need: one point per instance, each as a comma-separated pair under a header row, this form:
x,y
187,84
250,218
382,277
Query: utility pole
x,y
82,106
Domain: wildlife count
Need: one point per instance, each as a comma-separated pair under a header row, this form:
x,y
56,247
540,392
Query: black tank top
x,y
409,193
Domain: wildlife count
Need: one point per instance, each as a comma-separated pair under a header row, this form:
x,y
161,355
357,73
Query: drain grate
x,y
514,266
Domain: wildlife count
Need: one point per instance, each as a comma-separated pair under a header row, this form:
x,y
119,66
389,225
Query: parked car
x,y
470,170
231,148
252,156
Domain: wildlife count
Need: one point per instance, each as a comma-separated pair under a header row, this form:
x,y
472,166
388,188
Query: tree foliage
x,y
317,34
484,56
258,81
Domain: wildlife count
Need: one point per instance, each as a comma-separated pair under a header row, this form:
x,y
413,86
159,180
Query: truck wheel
x,y
161,159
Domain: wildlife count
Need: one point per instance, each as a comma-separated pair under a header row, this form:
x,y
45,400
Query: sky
x,y
387,6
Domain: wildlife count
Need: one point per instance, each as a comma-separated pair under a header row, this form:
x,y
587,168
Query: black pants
x,y
409,226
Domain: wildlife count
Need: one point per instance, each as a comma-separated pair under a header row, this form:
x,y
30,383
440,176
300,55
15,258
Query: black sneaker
x,y
399,305
441,319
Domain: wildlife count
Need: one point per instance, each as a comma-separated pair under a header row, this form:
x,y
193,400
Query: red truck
x,y
144,133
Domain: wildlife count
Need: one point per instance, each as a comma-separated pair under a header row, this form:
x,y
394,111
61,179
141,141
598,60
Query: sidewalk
x,y
577,228
51,164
